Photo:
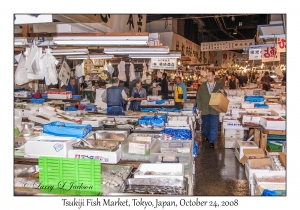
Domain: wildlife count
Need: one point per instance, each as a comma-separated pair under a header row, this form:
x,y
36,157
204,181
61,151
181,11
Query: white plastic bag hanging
x,y
50,68
131,72
32,61
121,68
144,77
21,72
105,65
41,63
64,74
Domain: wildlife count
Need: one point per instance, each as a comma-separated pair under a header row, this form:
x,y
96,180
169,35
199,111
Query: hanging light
x,y
109,63
273,75
179,62
262,65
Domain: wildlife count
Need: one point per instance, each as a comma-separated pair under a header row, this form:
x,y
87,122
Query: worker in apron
x,y
114,97
138,94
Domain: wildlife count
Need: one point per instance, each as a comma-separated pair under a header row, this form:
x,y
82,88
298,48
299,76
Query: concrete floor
x,y
218,172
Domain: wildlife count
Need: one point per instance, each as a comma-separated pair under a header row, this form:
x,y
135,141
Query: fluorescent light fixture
x,y
156,56
136,51
20,41
271,36
32,18
101,40
70,52
82,57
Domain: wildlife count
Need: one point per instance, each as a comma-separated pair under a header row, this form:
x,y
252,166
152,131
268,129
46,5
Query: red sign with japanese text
x,y
281,44
270,54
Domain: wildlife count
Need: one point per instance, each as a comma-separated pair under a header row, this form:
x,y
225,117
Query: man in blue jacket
x,y
180,94
71,85
114,96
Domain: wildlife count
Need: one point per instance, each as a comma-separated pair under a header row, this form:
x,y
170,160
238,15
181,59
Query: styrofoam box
x,y
241,145
103,156
237,111
268,185
278,112
94,121
21,112
234,106
59,95
33,118
154,98
221,115
250,118
260,111
235,99
274,106
53,146
273,125
284,150
176,168
234,133
251,189
232,124
250,171
247,105
229,143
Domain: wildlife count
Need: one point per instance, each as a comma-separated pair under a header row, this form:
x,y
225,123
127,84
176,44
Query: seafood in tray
x,y
155,186
107,135
97,145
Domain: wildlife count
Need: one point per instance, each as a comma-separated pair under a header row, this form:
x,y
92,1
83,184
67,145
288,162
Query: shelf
x,y
48,99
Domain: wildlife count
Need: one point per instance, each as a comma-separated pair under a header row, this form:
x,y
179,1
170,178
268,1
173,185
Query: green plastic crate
x,y
70,176
274,147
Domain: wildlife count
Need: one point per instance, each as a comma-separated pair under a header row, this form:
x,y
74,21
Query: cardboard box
x,y
241,145
59,95
255,158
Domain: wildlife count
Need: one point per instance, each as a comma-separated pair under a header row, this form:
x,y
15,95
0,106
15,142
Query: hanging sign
x,y
164,63
255,53
281,44
270,54
226,45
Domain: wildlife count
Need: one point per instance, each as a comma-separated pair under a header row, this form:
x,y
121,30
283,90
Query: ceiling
x,y
217,27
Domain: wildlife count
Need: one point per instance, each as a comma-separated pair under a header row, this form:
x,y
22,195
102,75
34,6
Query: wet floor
x,y
218,172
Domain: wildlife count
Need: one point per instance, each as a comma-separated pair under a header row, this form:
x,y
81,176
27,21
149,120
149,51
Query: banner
x,y
187,48
255,53
281,44
270,54
164,63
226,45
125,23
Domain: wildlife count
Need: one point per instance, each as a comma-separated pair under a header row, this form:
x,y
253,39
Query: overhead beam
x,y
78,18
25,30
85,34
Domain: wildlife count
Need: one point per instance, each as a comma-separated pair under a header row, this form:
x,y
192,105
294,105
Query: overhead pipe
x,y
220,26
231,28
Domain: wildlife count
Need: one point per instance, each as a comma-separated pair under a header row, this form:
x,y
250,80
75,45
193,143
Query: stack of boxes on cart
x,y
254,126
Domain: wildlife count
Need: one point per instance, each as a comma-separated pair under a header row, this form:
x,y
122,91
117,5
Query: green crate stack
x,y
70,176
90,95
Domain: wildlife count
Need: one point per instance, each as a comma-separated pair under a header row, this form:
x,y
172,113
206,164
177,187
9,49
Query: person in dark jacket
x,y
164,87
233,82
240,78
114,96
210,117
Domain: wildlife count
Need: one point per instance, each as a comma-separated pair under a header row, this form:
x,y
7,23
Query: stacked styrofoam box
x,y
235,99
178,121
237,112
273,106
268,185
59,95
250,118
154,98
247,105
241,145
273,125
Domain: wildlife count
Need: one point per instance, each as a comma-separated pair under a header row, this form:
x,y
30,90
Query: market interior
x,y
156,104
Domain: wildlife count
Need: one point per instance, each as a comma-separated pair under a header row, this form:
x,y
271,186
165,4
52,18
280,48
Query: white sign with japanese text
x,y
270,54
164,63
255,53
226,45
281,44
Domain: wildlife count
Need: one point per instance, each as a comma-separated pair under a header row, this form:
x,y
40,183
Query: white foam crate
x,y
250,172
229,143
241,145
177,169
268,185
273,125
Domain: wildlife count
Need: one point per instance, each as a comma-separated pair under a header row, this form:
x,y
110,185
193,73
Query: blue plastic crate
x,y
148,110
71,108
76,96
159,101
44,95
37,100
254,99
263,106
